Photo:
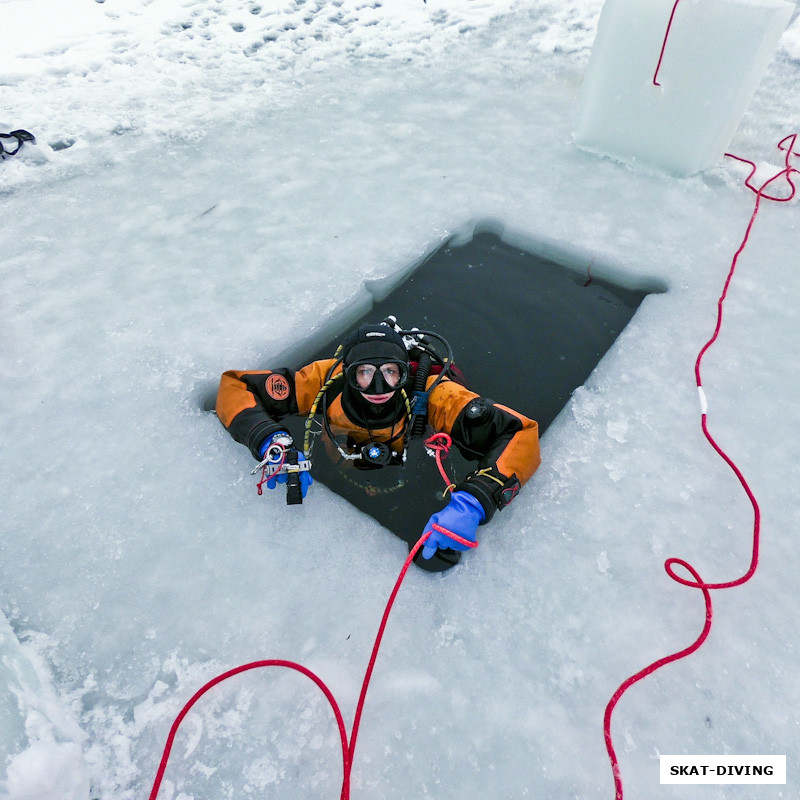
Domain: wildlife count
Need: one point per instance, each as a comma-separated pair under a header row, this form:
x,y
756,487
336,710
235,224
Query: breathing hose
x,y
419,418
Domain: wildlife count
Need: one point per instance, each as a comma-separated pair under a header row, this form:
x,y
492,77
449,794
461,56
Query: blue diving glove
x,y
283,439
461,516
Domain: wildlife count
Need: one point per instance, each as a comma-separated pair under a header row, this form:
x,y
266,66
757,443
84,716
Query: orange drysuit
x,y
250,404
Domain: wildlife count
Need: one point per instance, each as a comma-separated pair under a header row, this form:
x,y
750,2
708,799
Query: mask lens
x,y
391,373
364,375
376,378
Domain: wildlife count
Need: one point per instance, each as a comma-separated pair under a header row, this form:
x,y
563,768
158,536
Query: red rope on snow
x,y
348,747
440,443
786,145
376,646
236,671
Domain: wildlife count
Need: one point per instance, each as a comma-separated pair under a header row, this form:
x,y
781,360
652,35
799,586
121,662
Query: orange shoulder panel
x,y
446,402
309,380
235,396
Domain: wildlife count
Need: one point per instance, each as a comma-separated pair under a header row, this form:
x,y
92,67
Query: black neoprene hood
x,y
375,344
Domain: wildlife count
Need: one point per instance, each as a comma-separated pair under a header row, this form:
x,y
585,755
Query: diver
x,y
381,388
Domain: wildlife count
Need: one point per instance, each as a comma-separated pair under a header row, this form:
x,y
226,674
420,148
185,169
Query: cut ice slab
x,y
681,120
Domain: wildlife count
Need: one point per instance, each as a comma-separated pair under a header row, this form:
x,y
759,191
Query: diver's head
x,y
375,362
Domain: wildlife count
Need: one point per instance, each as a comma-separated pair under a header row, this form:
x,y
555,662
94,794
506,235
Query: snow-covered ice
x,y
211,182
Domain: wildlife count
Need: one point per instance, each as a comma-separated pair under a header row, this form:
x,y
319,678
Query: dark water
x,y
525,331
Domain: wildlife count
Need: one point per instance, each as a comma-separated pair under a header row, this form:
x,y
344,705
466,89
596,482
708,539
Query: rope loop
x,y
348,744
439,443
439,446
787,146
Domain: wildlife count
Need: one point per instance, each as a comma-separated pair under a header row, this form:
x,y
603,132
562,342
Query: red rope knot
x,y
439,443
439,446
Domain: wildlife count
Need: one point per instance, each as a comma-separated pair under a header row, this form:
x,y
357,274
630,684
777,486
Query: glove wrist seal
x,y
491,489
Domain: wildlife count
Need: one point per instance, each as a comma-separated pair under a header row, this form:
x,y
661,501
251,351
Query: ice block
x,y
715,55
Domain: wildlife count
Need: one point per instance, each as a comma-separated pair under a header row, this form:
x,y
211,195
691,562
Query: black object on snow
x,y
20,136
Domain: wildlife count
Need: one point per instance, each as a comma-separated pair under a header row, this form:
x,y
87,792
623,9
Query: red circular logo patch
x,y
277,387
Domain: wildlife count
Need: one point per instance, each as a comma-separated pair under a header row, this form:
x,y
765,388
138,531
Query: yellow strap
x,y
487,474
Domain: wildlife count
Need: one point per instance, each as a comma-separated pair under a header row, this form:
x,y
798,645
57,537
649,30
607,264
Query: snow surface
x,y
213,181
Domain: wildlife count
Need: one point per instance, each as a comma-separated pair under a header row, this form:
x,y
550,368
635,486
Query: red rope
x,y
236,671
376,646
664,43
787,145
348,748
264,476
454,536
440,444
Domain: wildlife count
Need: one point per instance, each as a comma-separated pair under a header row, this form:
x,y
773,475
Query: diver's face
x,y
365,375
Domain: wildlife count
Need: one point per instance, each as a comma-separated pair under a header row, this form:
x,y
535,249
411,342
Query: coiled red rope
x,y
787,146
